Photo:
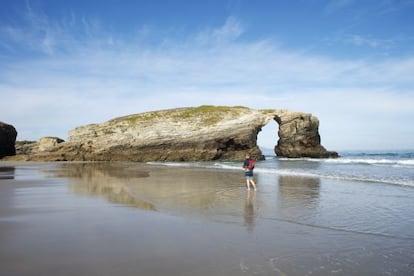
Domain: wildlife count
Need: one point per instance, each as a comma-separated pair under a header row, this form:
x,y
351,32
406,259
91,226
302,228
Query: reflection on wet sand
x,y
108,181
250,210
198,192
299,187
187,190
7,172
203,193
298,196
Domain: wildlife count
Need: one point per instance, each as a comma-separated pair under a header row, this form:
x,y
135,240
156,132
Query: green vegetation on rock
x,y
206,110
142,117
267,111
206,114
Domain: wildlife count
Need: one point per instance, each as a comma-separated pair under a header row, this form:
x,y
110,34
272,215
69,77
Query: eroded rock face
x,y
299,136
187,134
8,136
47,144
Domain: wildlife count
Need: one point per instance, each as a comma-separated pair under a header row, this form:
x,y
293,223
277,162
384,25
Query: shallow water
x,y
136,219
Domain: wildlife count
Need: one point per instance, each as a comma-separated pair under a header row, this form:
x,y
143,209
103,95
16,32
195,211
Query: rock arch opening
x,y
267,138
191,134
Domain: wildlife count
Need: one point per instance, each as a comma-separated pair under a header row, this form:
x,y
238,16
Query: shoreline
x,y
127,218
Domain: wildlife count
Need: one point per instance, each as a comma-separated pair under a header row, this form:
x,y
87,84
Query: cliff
x,y
186,134
8,136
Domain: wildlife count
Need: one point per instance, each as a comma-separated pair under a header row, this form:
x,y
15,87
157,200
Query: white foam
x,y
409,162
299,172
367,161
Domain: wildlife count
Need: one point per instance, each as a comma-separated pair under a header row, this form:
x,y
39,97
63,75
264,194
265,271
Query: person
x,y
248,166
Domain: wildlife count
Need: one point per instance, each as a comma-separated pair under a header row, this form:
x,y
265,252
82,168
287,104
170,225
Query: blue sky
x,y
350,63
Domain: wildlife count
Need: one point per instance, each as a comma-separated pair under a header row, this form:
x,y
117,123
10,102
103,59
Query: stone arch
x,y
267,137
187,134
297,136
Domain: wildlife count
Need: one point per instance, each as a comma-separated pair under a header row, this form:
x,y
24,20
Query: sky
x,y
65,64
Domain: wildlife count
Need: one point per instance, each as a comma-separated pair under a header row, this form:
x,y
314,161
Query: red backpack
x,y
251,164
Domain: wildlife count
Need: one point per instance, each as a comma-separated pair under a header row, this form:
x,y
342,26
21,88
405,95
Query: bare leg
x,y
248,184
254,185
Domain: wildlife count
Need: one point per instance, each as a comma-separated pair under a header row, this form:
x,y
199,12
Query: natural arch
x,y
297,135
267,138
187,134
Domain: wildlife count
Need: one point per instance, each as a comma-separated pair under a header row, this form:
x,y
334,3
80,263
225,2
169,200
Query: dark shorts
x,y
248,173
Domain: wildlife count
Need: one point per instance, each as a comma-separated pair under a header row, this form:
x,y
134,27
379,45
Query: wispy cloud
x,y
231,30
359,40
38,33
99,76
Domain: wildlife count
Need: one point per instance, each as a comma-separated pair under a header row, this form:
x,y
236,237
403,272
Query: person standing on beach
x,y
248,166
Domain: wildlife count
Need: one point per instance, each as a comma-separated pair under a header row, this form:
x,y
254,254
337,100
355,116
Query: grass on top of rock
x,y
267,111
206,114
142,117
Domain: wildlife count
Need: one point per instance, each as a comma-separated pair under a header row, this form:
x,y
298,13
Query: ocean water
x,y
387,167
364,192
348,216
370,166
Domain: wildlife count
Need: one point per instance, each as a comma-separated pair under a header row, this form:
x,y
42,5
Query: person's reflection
x,y
249,210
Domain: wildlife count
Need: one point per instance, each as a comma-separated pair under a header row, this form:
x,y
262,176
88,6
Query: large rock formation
x,y
186,134
8,136
299,136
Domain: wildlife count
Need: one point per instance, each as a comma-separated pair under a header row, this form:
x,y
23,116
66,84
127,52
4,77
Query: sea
x,y
394,167
362,192
387,167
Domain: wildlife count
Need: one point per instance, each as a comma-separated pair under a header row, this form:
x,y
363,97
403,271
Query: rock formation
x,y
186,134
299,136
47,144
8,136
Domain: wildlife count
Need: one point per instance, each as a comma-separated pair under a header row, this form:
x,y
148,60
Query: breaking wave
x,y
389,168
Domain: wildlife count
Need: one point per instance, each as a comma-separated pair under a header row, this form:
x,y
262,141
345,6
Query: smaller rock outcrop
x,y
8,136
48,143
299,136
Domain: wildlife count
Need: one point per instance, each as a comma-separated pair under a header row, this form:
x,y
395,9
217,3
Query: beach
x,y
198,219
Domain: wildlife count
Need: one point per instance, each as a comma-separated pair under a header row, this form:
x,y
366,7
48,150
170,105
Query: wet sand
x,y
137,219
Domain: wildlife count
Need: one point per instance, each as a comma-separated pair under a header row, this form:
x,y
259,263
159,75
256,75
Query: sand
x,y
138,219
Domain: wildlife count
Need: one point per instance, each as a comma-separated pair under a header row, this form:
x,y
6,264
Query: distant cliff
x,y
185,134
7,140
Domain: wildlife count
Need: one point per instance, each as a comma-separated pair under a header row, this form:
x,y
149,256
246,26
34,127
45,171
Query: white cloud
x,y
99,79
